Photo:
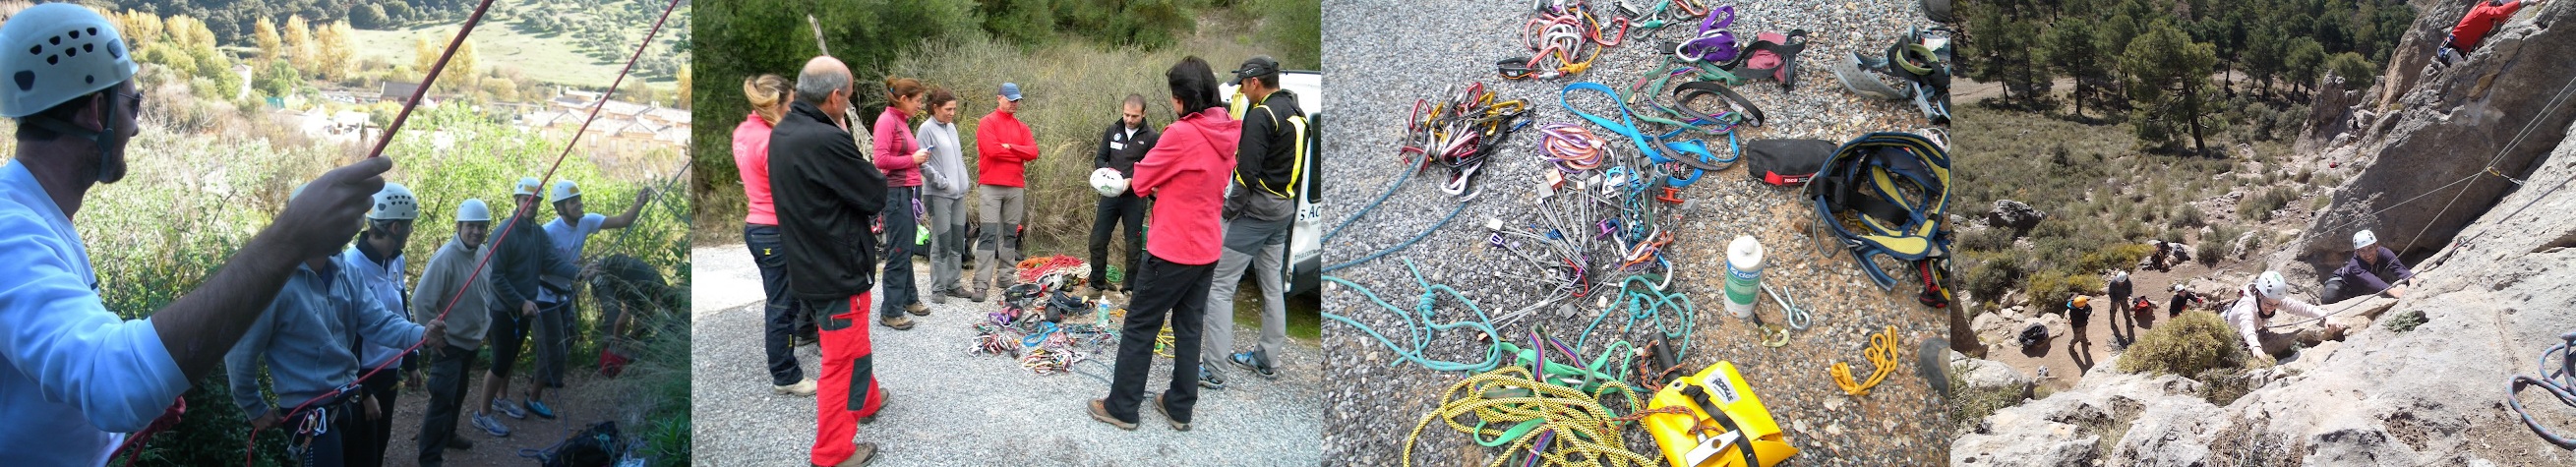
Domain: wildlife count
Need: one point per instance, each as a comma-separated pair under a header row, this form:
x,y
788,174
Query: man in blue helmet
x,y
75,378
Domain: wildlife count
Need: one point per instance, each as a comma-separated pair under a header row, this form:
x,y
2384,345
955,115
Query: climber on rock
x,y
2252,314
2372,270
2474,27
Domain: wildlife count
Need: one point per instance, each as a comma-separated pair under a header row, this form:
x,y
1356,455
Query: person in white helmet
x,y
311,338
2372,270
75,378
568,233
522,257
376,263
2263,300
456,282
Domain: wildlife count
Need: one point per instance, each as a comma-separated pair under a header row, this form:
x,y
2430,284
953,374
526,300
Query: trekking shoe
x,y
491,426
958,292
539,408
887,399
1177,424
917,309
504,406
1100,411
458,443
866,453
800,389
1211,380
976,296
1251,362
939,297
897,322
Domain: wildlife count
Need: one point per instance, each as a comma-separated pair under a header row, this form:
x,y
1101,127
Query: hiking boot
x,y
491,426
917,309
1209,379
897,322
958,291
1254,363
885,398
1087,292
506,407
866,453
458,443
800,389
977,296
539,409
939,297
1100,411
1177,424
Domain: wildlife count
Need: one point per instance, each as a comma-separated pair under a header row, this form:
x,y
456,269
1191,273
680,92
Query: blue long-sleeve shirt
x,y
73,376
306,337
384,281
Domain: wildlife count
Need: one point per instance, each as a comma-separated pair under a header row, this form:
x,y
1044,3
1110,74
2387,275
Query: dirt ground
x,y
585,399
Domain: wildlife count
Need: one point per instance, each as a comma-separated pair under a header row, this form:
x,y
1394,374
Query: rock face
x,y
2014,215
2433,129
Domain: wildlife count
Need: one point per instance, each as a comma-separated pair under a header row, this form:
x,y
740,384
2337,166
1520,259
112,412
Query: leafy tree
x,y
2356,72
2068,46
2168,82
2302,64
277,78
299,46
265,33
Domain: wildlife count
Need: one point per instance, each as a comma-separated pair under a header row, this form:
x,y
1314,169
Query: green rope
x,y
1423,329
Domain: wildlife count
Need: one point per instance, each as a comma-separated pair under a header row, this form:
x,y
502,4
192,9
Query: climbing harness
x,y
1920,60
1895,187
1882,356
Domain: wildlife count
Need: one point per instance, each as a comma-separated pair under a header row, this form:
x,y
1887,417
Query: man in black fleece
x,y
1121,146
825,190
521,254
1258,215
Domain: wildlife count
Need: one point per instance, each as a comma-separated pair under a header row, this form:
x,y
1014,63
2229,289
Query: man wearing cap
x,y
2372,270
1260,207
376,262
567,233
310,337
2262,300
75,378
521,255
456,283
825,190
1003,149
1121,146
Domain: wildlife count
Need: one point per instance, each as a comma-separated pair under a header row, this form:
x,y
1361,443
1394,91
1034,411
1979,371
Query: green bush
x,y
2188,345
1990,275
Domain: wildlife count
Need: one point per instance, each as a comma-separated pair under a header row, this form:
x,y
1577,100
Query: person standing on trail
x,y
1003,148
945,177
901,158
75,378
311,337
522,256
783,319
2252,314
456,282
2079,310
2119,291
1260,207
566,234
1186,174
2474,26
1125,142
825,191
2372,270
376,262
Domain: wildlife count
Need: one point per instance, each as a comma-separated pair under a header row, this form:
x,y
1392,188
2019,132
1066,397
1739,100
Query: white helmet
x,y
394,203
564,189
71,52
473,210
2121,278
2364,239
2271,285
1108,182
527,187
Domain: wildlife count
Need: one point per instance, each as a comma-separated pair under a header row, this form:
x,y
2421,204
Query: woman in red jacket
x,y
1186,175
900,157
784,319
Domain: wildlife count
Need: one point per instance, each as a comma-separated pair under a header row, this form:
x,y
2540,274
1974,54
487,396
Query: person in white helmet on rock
x,y
2263,300
76,378
2372,270
456,283
567,233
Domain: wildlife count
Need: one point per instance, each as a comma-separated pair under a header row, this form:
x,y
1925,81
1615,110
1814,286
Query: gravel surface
x,y
1383,55
947,407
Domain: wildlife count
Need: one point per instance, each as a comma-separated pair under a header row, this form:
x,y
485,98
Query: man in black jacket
x,y
521,255
825,190
1258,214
1120,147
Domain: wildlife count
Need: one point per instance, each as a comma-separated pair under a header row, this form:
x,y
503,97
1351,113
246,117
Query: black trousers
x,y
449,379
896,277
782,317
1126,210
1167,290
367,446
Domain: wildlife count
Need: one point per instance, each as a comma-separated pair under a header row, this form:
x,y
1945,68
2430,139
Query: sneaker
x,y
1211,380
458,443
491,426
897,322
1177,424
504,406
539,408
1100,411
1253,363
801,389
976,296
939,297
917,309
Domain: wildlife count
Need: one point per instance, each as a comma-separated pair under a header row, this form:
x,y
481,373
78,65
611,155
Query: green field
x,y
550,58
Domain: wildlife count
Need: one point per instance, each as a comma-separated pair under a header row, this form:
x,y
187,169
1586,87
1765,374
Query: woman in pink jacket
x,y
900,157
784,319
1186,175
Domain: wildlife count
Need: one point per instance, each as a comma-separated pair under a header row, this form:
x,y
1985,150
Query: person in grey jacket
x,y
945,183
455,283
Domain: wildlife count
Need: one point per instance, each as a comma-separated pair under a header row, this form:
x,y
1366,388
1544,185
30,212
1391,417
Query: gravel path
x,y
951,408
1382,55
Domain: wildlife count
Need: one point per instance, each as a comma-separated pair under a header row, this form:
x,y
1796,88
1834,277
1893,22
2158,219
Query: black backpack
x,y
593,447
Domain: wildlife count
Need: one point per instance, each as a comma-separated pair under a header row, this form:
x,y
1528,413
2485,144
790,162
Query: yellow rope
x,y
1582,431
1163,342
1881,352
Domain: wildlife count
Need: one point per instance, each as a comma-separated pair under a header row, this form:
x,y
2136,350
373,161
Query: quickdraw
x,y
1569,34
1458,133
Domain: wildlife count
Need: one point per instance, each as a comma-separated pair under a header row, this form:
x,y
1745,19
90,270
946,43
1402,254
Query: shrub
x,y
2188,345
1990,275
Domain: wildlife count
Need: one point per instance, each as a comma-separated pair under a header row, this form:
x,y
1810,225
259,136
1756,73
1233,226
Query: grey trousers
x,y
947,241
1259,245
1003,208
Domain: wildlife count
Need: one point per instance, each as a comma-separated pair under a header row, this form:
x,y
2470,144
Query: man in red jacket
x,y
2473,27
1003,149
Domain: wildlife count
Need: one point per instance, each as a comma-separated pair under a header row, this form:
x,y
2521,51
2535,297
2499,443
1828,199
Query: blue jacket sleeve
x,y
55,330
241,364
379,324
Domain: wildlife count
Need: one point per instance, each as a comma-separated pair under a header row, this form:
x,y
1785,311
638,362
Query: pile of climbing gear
x,y
1459,134
1534,421
1563,41
2557,377
1031,325
1921,61
1887,194
1713,419
1882,356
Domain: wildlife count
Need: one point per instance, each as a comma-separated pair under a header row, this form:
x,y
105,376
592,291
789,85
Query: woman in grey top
x,y
944,184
